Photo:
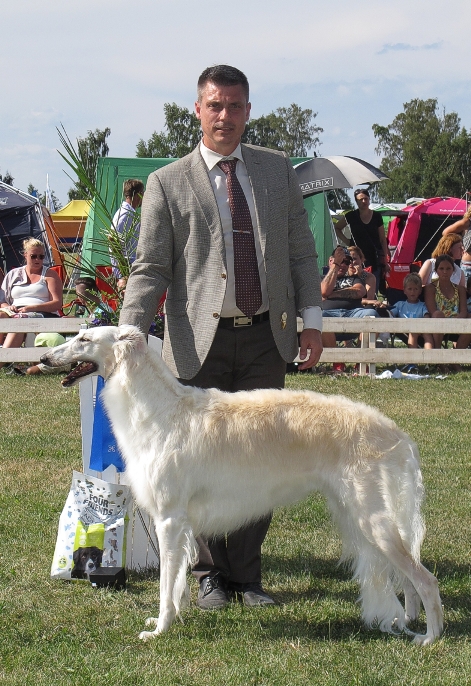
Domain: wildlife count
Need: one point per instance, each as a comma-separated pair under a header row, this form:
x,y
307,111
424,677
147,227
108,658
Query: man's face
x,y
84,295
343,265
223,112
135,200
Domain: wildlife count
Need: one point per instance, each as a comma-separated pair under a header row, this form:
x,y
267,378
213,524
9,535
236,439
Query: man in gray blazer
x,y
188,247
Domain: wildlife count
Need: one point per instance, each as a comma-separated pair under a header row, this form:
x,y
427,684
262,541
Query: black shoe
x,y
212,594
252,594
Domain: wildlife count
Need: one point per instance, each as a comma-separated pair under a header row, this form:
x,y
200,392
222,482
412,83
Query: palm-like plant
x,y
111,244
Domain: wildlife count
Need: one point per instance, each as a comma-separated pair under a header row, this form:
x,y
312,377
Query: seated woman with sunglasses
x,y
30,291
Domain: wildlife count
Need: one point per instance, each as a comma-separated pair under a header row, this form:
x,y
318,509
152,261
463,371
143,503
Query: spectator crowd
x,y
354,275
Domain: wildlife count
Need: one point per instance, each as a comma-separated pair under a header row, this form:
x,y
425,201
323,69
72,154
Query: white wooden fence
x,y
369,354
35,325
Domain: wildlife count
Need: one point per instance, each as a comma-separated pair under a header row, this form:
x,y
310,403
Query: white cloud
x,y
406,47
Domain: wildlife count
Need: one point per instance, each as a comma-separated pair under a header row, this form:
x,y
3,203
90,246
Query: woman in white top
x,y
463,228
30,289
452,245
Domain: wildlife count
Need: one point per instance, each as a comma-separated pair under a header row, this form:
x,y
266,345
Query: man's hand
x,y
339,255
310,340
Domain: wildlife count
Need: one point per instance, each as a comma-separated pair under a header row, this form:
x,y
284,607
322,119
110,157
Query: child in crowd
x,y
89,295
413,308
445,299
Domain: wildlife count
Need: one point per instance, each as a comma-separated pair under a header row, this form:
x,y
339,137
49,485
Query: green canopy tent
x,y
112,172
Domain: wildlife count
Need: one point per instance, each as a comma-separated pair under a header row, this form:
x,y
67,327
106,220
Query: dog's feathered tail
x,y
374,546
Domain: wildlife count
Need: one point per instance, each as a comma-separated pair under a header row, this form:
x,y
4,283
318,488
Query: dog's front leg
x,y
173,534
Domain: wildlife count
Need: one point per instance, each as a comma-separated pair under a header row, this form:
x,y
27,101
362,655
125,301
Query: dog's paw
x,y
147,635
424,639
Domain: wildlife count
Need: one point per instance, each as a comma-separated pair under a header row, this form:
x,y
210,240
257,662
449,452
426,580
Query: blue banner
x,y
105,451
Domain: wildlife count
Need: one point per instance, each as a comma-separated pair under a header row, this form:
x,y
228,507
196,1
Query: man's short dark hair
x,y
88,282
223,75
132,187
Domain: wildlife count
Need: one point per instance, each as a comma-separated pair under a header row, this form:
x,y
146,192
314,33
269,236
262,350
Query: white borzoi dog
x,y
207,462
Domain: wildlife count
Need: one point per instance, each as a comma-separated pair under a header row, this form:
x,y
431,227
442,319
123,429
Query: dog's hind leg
x,y
389,541
379,602
412,601
177,549
426,586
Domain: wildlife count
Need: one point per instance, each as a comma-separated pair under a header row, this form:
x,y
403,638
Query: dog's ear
x,y
130,343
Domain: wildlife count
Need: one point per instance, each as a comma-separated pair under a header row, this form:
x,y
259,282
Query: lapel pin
x,y
284,318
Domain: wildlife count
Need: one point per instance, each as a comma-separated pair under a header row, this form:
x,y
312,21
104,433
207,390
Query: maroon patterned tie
x,y
248,291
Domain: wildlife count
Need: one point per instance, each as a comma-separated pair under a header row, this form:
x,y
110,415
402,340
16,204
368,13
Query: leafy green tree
x,y
89,149
264,131
7,178
339,199
183,134
32,190
425,152
290,129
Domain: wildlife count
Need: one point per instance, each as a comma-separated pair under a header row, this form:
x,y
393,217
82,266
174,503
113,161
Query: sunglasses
x,y
348,262
37,257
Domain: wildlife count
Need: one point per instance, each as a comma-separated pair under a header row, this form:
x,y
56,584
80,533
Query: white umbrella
x,y
326,173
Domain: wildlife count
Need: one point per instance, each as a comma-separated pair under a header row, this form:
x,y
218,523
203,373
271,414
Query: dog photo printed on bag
x,y
92,528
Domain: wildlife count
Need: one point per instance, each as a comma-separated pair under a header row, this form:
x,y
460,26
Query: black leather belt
x,y
239,322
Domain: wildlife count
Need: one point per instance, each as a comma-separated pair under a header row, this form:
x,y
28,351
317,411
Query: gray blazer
x,y
181,248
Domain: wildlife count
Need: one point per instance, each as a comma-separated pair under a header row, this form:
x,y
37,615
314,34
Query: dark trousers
x,y
240,359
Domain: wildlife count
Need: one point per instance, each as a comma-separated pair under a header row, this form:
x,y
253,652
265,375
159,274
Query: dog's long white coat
x,y
207,462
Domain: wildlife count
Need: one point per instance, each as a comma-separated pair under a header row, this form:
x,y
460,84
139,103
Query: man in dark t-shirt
x,y
341,293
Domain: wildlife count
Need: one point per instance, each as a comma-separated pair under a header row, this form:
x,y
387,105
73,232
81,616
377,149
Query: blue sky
x,y
90,65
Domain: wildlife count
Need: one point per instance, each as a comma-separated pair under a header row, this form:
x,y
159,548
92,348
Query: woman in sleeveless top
x,y
463,228
452,245
31,290
446,299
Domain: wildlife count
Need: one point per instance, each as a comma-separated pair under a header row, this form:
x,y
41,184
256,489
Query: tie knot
x,y
228,166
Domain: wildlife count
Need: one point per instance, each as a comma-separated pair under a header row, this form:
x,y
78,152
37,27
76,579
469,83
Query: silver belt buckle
x,y
242,321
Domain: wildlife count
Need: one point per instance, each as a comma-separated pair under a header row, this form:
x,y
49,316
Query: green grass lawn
x,y
56,632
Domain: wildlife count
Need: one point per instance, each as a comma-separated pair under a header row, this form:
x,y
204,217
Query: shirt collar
x,y
212,158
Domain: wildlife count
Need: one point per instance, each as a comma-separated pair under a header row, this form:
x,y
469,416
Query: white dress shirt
x,y
312,316
219,184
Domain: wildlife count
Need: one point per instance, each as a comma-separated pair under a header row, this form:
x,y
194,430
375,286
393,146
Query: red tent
x,y
424,227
